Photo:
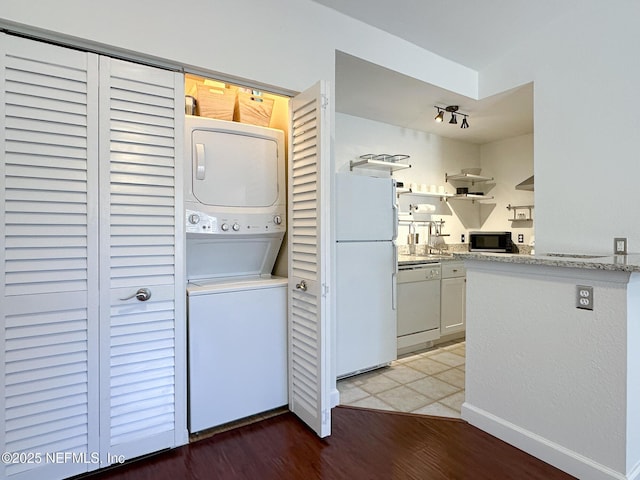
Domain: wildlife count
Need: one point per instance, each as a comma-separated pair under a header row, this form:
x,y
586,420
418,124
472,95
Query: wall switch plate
x,y
521,238
462,237
620,246
584,297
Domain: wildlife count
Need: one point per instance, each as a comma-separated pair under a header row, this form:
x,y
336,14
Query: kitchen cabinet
x,y
89,177
453,298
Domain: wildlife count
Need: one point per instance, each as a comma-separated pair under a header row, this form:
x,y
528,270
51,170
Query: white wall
x,y
289,44
547,377
431,157
586,74
633,374
509,162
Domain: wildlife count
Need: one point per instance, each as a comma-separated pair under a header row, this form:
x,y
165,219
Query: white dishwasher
x,y
418,306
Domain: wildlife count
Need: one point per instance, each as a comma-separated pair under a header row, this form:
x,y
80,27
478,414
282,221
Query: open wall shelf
x,y
381,161
467,177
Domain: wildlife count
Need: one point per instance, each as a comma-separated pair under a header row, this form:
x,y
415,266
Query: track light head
x,y
453,110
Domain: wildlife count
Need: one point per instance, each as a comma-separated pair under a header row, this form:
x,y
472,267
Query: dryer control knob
x,y
236,227
194,218
277,219
224,227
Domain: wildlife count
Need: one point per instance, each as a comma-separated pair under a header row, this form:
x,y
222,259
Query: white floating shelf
x,y
425,194
379,165
468,196
467,177
381,161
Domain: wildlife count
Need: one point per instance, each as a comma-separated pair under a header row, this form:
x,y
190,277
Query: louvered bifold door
x,y
137,245
309,340
49,255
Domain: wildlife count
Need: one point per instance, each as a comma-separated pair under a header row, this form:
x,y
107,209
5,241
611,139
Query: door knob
x,y
302,286
143,294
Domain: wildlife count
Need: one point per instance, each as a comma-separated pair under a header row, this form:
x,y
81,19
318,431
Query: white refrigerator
x,y
366,270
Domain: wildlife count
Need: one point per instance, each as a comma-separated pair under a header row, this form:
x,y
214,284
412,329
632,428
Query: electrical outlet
x,y
584,297
521,238
462,238
620,246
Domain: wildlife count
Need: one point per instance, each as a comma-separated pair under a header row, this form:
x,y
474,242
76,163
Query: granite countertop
x,y
406,259
620,263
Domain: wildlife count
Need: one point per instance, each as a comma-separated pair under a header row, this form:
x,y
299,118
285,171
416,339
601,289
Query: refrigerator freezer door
x,y
365,208
365,317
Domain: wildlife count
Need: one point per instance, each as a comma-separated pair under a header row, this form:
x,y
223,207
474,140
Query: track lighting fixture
x,y
453,110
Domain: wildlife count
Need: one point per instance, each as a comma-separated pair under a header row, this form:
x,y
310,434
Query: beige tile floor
x,y
430,382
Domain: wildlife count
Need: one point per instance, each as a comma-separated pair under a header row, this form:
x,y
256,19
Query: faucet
x,y
412,240
435,231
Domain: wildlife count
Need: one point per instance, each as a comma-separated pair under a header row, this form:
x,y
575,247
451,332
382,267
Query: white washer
x,y
237,349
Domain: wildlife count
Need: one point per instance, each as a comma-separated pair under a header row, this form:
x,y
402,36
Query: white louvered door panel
x,y
138,238
309,341
49,254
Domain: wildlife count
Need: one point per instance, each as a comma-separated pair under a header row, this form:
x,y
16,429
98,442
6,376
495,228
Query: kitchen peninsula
x,y
557,381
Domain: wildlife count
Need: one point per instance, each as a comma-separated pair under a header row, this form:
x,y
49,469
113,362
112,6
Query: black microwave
x,y
498,242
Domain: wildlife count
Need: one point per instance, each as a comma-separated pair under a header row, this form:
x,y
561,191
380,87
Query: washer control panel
x,y
200,222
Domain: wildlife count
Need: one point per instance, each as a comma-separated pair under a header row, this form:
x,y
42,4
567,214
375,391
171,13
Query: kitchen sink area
x,y
416,259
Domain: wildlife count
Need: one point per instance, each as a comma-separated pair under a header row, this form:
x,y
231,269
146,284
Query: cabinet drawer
x,y
453,269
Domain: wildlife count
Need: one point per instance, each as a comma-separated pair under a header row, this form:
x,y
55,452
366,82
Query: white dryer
x,y
235,182
235,200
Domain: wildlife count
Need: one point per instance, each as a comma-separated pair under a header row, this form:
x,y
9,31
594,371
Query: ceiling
x,y
470,32
370,91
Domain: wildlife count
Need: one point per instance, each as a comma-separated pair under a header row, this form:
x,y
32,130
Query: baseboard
x,y
634,474
560,457
334,398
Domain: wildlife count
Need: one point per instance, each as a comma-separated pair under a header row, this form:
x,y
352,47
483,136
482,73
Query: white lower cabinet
x,y
453,289
89,189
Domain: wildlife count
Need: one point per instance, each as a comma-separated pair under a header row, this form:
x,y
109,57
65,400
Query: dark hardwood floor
x,y
364,444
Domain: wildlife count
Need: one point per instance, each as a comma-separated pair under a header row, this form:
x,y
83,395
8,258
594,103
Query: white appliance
x,y
237,349
235,197
366,270
418,306
235,200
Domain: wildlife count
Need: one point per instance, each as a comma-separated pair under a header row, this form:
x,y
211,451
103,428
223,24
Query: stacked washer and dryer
x,y
235,201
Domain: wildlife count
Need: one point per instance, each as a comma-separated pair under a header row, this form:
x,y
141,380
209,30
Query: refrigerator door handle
x,y
394,279
395,221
